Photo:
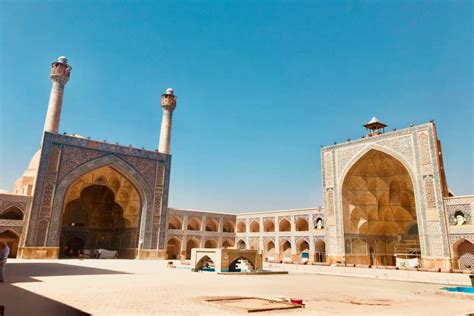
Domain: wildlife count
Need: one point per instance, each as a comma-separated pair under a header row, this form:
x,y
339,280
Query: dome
x,y
33,165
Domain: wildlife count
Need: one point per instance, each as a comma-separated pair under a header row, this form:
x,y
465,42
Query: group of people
x,y
4,252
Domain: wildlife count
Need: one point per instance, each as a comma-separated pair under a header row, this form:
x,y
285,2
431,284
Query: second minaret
x,y
168,104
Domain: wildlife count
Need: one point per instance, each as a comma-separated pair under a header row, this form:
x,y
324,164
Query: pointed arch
x,y
241,227
254,226
228,243
301,224
173,248
12,239
269,225
286,248
194,224
242,264
284,225
123,168
205,263
190,244
320,250
378,199
228,227
212,225
241,244
12,213
270,250
211,243
174,222
463,251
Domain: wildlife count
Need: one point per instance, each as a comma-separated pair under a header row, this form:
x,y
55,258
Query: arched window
x,y
228,227
302,224
173,248
254,227
192,243
285,249
320,250
285,225
270,249
241,244
175,223
212,225
241,227
211,243
194,224
268,225
227,243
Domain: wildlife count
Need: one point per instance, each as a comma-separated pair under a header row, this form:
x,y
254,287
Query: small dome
x,y
62,59
34,162
169,91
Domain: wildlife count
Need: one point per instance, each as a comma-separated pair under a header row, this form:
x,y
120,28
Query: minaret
x,y
168,104
60,71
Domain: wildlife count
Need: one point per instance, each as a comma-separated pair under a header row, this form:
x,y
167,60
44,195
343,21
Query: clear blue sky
x,y
260,84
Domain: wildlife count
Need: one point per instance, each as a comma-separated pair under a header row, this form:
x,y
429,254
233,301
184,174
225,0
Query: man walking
x,y
4,252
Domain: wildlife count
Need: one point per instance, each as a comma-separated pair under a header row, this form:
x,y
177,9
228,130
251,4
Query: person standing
x,y
4,252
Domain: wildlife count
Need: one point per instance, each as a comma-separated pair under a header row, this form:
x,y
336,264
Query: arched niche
x,y
211,243
268,225
228,243
12,213
284,225
241,244
378,204
212,225
190,244
194,224
173,248
228,227
174,222
254,227
301,224
102,215
241,227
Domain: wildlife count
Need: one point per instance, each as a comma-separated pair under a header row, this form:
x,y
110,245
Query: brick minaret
x,y
168,104
60,71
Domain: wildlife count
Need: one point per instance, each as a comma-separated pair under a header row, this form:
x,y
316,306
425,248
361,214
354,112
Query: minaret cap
x,y
62,59
168,100
375,127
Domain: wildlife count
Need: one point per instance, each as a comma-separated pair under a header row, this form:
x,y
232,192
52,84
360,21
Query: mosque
x,y
386,202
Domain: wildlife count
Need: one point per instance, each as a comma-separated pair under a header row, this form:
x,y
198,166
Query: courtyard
x,y
126,287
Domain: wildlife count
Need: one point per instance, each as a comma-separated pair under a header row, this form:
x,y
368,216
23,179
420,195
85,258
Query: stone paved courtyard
x,y
129,287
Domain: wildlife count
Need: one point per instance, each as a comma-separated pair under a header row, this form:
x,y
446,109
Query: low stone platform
x,y
377,273
253,273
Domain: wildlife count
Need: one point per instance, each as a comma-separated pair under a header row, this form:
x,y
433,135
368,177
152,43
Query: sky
x,y
261,85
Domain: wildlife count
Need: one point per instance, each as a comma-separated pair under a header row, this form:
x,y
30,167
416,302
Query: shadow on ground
x,y
26,271
18,301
